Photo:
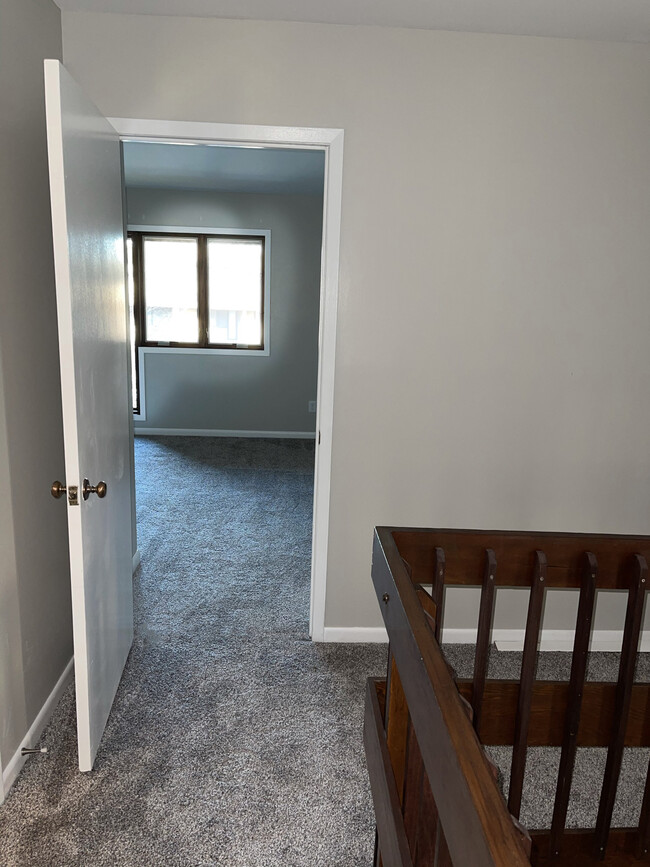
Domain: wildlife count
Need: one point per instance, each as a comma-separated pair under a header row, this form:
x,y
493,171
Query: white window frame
x,y
139,360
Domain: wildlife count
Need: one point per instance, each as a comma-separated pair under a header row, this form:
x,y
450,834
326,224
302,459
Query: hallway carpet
x,y
542,763
233,739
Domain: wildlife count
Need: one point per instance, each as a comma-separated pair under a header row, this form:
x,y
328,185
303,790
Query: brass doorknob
x,y
100,489
57,490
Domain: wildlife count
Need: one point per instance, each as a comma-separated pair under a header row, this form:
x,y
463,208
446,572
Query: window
x,y
235,275
170,289
196,291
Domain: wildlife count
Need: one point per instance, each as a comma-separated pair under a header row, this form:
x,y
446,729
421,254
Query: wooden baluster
x,y
443,858
627,665
428,827
396,722
377,862
576,686
389,672
412,788
437,590
428,605
421,817
643,845
527,677
486,612
393,848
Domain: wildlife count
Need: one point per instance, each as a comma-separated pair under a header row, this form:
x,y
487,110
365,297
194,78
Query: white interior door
x,y
88,232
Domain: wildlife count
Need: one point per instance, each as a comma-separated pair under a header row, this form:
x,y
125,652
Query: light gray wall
x,y
250,393
35,614
492,364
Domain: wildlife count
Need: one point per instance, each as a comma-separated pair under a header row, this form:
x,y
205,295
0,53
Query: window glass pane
x,y
131,294
171,289
235,270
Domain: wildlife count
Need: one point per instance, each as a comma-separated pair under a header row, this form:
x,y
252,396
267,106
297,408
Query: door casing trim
x,y
331,142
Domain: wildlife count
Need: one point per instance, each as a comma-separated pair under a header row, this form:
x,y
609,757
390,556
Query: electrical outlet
x,y
311,406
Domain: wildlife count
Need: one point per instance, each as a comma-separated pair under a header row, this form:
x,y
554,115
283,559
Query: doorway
x,y
88,231
330,143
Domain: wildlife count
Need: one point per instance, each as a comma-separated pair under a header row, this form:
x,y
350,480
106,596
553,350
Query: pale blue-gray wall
x,y
35,610
243,393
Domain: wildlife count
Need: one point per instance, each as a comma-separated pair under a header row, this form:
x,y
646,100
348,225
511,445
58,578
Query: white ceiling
x,y
618,20
223,169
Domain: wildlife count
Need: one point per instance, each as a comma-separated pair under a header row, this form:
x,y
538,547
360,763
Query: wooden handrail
x,y
464,552
443,798
477,827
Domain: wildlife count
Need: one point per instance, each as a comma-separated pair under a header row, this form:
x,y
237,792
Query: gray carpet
x,y
543,762
233,739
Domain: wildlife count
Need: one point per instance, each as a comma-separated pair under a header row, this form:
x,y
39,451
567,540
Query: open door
x,y
88,233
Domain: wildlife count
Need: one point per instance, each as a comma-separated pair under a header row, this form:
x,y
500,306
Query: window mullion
x,y
203,289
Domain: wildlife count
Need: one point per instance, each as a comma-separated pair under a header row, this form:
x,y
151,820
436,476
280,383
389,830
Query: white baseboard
x,y
551,639
201,432
505,639
136,559
562,639
355,634
10,773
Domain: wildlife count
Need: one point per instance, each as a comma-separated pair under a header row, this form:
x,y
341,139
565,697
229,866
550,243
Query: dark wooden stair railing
x,y
436,798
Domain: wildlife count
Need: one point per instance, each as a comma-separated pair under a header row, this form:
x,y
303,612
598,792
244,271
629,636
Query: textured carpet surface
x,y
543,762
233,739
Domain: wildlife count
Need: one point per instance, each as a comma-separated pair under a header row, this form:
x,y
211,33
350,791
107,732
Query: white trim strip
x,y
221,134
329,293
562,639
505,639
204,432
202,350
142,415
331,141
17,761
355,634
136,559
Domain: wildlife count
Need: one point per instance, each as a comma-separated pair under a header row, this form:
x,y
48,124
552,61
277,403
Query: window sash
x,y
171,291
235,300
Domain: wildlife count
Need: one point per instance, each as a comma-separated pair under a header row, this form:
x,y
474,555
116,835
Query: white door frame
x,y
331,142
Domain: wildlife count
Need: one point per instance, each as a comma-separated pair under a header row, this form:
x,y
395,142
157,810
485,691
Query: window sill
x,y
201,350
